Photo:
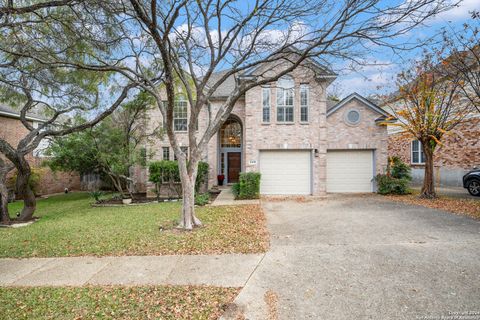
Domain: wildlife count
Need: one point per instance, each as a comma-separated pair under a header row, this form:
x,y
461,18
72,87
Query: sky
x,y
379,76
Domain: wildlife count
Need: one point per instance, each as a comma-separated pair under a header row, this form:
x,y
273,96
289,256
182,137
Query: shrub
x,y
202,174
202,199
236,190
399,169
249,185
397,178
164,171
96,195
167,172
387,184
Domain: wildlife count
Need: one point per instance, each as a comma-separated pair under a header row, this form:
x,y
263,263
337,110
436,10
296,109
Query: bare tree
x,y
160,45
463,50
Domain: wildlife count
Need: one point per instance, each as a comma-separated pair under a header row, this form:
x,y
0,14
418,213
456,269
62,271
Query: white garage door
x,y
285,172
349,171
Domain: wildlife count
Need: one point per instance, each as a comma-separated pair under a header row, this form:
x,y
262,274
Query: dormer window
x,y
285,94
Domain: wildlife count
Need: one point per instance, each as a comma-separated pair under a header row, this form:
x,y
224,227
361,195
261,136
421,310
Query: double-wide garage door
x,y
290,171
285,172
350,171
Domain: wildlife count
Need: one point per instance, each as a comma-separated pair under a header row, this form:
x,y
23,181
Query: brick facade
x,y
317,135
367,134
459,152
12,130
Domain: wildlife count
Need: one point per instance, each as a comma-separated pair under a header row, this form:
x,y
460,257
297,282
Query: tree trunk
x,y
428,188
117,184
23,188
188,220
4,215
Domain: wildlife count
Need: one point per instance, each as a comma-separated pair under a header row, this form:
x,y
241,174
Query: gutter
x,y
17,116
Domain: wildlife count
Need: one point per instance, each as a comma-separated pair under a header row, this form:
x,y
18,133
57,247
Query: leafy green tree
x,y
33,36
112,147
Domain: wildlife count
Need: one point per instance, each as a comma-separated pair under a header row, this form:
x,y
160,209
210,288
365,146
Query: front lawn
x,y
69,226
161,302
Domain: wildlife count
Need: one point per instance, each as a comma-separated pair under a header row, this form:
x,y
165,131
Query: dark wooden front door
x,y
234,166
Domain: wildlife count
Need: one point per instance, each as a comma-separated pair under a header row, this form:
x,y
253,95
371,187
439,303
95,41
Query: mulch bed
x,y
141,198
467,207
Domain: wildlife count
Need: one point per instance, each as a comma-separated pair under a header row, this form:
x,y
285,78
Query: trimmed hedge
x,y
167,172
248,186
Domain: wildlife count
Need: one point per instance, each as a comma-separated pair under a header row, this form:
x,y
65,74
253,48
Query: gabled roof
x,y
360,98
322,70
227,86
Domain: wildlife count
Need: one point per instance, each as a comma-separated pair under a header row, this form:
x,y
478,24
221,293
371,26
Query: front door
x,y
234,166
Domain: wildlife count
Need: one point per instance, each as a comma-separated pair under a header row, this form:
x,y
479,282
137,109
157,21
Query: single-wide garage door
x,y
350,171
285,172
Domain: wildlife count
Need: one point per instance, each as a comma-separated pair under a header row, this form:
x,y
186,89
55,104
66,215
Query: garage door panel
x,y
349,171
285,172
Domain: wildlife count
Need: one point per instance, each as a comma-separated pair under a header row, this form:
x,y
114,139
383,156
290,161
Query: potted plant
x,y
220,179
126,200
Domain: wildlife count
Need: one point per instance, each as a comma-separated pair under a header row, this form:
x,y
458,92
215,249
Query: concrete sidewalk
x,y
226,198
231,270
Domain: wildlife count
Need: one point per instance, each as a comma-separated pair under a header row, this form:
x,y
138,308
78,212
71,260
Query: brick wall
x,y
460,149
12,130
459,153
289,136
365,135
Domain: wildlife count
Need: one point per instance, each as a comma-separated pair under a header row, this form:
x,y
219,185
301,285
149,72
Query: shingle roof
x,y
331,104
226,87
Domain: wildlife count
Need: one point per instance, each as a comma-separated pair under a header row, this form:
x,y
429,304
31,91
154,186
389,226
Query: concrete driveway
x,y
364,257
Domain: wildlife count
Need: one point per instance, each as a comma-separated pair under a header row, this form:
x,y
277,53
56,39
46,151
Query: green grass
x,y
163,302
70,226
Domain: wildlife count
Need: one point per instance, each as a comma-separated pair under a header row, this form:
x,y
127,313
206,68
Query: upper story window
x,y
304,102
285,90
418,157
266,104
180,114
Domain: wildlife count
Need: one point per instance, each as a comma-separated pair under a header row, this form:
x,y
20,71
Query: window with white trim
x,y
418,157
304,101
285,107
166,153
180,114
266,104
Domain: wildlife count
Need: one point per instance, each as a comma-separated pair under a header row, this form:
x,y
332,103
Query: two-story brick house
x,y
290,134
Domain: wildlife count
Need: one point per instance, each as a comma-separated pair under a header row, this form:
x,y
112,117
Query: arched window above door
x,y
231,134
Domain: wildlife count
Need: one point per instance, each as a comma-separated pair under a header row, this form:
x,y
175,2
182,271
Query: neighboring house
x,y
290,134
459,150
458,153
12,131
